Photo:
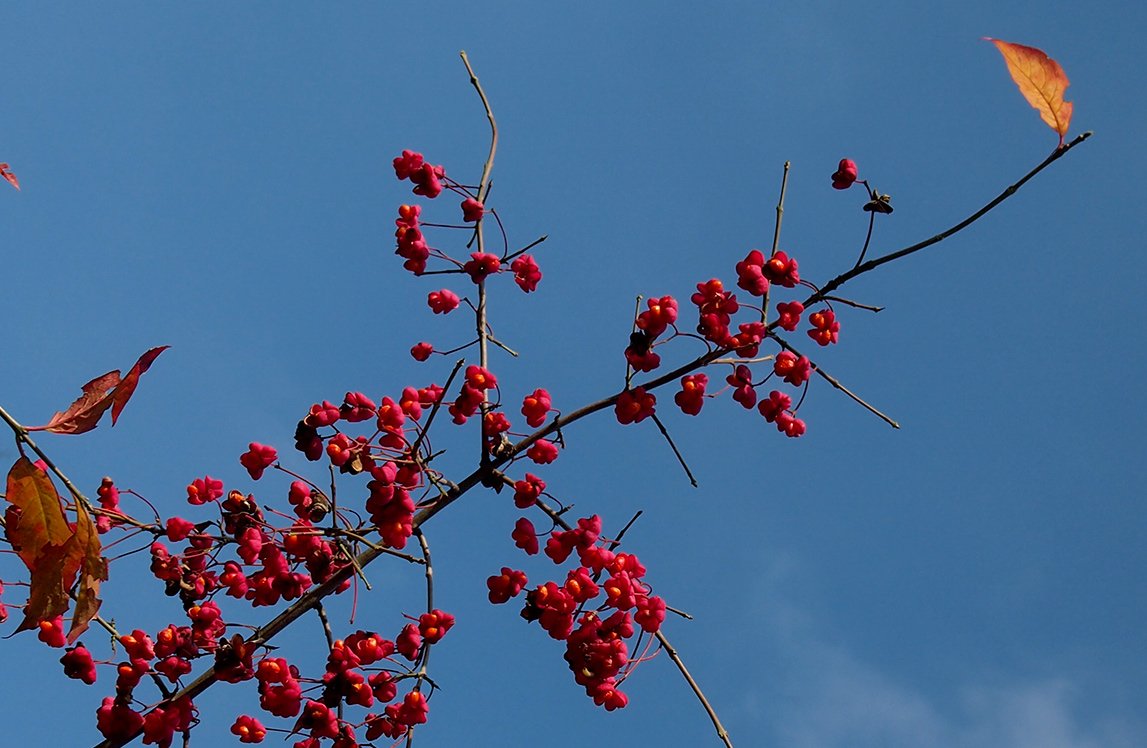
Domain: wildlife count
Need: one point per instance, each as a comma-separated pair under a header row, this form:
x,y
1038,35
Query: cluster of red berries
x,y
363,670
716,308
273,564
384,457
596,631
166,655
756,275
430,181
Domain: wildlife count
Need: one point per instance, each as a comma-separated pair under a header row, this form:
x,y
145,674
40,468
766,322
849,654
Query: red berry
x,y
442,302
845,174
542,452
258,458
692,394
78,664
792,369
526,273
472,210
825,329
249,729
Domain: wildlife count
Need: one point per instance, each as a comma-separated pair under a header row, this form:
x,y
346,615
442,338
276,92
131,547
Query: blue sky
x,y
217,178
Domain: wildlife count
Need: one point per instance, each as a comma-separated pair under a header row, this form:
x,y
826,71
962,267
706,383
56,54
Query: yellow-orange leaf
x,y
48,588
41,520
1042,82
93,570
54,551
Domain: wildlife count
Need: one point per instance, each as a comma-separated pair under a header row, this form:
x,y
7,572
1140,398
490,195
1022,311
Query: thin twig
x,y
434,410
526,248
22,436
382,549
322,613
856,304
484,184
843,278
867,238
621,533
780,209
426,645
503,346
676,452
722,733
836,383
776,237
357,567
483,189
738,360
429,568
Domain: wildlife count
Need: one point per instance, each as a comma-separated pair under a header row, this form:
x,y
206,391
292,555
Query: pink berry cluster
x,y
362,671
383,455
716,309
266,558
597,610
430,181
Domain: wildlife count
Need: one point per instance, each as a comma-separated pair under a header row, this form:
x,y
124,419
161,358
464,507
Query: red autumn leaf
x,y
1042,82
126,387
12,180
93,570
41,520
86,411
103,392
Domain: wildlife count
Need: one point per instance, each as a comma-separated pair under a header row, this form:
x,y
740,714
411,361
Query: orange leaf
x,y
4,172
125,388
53,550
48,591
93,570
42,523
1042,82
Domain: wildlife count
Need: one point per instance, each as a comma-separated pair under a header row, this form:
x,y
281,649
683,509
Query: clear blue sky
x,y
216,177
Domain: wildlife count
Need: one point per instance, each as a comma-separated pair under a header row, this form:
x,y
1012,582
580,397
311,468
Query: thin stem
x,y
322,613
621,533
836,383
843,278
867,238
855,304
776,236
502,345
633,329
483,190
429,568
484,184
434,410
722,733
526,248
781,208
483,359
676,452
22,436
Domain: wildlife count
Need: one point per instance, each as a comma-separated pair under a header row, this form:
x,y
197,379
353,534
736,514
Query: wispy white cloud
x,y
832,698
